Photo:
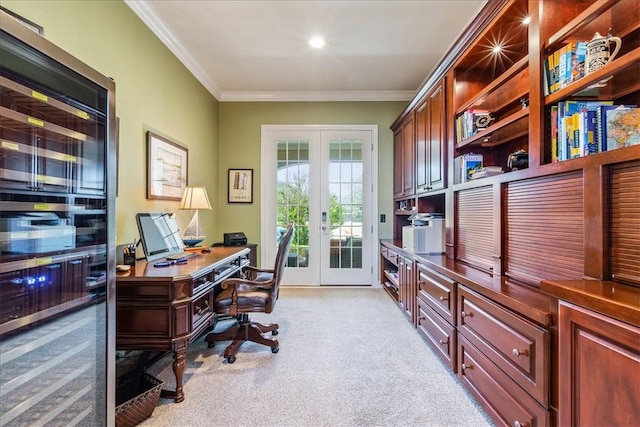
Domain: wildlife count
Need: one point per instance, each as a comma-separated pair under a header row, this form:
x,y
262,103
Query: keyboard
x,y
180,255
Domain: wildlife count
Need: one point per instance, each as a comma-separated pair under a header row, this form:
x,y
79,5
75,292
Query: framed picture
x,y
240,186
166,168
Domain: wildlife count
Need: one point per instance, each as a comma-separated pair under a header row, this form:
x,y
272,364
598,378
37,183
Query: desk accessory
x,y
194,198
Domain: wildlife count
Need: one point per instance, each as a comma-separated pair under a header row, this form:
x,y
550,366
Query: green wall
x,y
154,91
240,145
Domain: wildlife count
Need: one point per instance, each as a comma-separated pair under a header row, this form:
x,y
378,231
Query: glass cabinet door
x,y
56,234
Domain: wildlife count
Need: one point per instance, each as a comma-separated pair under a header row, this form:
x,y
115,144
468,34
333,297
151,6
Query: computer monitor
x,y
159,235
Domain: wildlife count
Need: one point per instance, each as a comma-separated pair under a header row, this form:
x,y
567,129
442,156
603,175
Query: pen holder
x,y
129,256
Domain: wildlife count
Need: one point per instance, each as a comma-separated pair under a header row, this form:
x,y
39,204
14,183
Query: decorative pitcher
x,y
598,52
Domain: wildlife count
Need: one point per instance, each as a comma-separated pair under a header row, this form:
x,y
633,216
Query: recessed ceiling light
x,y
496,49
317,42
526,20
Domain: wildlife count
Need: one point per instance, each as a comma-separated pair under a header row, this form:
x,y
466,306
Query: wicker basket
x,y
137,395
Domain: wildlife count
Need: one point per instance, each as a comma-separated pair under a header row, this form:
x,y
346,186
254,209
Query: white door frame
x,y
266,192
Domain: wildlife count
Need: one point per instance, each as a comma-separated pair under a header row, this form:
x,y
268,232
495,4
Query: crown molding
x,y
147,15
314,96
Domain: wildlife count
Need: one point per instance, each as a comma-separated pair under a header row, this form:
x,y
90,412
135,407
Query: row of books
x,y
565,66
580,128
470,166
471,122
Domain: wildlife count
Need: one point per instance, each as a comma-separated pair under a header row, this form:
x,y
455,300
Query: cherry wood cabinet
x,y
599,371
430,143
547,220
389,272
436,308
407,286
403,151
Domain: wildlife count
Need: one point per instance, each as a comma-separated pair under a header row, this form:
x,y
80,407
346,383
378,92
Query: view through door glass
x,y
345,204
321,180
292,185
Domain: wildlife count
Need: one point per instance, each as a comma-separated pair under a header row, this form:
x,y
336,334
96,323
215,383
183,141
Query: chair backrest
x,y
281,258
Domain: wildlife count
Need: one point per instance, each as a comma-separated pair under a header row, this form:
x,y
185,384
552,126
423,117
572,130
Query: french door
x,y
322,179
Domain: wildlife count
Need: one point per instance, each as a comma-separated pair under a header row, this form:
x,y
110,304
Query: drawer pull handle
x,y
517,353
465,366
519,424
465,314
443,299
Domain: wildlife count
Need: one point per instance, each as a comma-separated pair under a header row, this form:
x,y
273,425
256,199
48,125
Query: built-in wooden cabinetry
x,y
430,149
544,220
404,155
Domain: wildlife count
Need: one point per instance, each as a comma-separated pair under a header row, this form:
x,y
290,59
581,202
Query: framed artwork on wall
x,y
240,186
167,164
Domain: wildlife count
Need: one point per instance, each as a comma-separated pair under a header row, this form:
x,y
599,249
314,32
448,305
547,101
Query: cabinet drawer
x,y
438,333
384,252
392,256
202,310
438,291
519,347
505,402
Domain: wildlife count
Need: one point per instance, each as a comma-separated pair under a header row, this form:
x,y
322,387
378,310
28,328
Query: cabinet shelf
x,y
500,93
511,127
624,80
46,106
25,124
587,23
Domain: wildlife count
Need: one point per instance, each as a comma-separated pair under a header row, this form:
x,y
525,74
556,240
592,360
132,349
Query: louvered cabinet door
x,y
544,226
474,227
624,222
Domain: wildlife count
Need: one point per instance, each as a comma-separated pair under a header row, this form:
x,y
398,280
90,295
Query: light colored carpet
x,y
348,357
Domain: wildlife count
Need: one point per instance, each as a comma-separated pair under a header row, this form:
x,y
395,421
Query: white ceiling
x,y
257,50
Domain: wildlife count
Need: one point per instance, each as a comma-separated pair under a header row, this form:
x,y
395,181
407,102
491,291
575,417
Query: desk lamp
x,y
194,198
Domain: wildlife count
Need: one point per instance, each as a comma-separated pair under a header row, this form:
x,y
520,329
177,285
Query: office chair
x,y
256,293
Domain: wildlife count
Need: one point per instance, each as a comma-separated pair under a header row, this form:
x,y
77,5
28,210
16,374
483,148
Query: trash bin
x,y
137,394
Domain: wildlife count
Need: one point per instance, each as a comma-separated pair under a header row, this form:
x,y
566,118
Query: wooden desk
x,y
165,308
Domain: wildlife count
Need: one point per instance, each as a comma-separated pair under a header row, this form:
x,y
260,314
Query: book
x,y
623,126
591,145
576,58
554,133
465,165
601,124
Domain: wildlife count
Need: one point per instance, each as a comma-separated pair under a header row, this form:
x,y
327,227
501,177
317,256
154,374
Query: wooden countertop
x,y
200,263
616,300
524,299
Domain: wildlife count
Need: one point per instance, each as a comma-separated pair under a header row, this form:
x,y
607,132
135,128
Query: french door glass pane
x,y
292,184
345,203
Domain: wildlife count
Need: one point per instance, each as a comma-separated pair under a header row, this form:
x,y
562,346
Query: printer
x,y
235,239
425,235
35,233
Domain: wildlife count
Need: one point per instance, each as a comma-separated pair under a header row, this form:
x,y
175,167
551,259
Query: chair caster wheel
x,y
231,359
275,350
274,332
211,345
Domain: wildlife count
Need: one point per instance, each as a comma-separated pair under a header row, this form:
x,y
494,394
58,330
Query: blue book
x,y
623,126
591,143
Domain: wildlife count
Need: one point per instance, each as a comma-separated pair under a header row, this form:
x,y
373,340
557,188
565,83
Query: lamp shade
x,y
195,198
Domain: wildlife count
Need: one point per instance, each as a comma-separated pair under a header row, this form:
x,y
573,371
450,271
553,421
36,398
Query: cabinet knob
x,y
443,342
465,314
465,366
517,353
519,424
443,299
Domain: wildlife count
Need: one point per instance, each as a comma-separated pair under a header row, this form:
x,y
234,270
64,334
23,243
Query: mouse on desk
x,y
206,251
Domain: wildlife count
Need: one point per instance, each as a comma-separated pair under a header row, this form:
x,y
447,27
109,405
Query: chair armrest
x,y
259,270
235,282
238,281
